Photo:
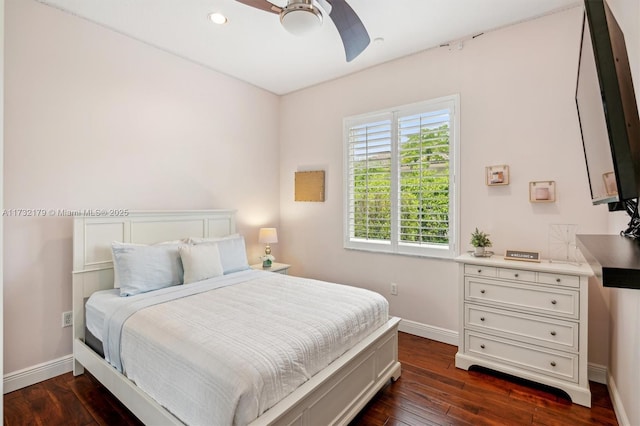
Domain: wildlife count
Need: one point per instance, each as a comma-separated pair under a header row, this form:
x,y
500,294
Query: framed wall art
x,y
542,191
309,186
497,175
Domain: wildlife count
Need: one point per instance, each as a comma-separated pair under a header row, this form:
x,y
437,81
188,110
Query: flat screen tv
x,y
607,109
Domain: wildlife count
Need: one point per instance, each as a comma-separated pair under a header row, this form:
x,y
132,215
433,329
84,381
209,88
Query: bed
x,y
332,391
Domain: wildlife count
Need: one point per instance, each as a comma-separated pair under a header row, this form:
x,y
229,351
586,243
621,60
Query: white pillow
x,y
201,240
200,262
141,268
233,253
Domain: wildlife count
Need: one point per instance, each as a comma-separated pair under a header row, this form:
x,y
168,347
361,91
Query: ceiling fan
x,y
300,16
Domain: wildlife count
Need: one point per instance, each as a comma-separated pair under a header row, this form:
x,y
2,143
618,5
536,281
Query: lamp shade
x,y
268,235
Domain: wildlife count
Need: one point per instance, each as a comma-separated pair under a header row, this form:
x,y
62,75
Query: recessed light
x,y
218,18
378,40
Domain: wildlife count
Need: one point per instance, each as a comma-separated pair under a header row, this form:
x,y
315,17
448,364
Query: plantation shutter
x,y
369,173
423,151
400,191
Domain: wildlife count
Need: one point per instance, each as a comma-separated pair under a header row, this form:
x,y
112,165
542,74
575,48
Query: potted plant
x,y
267,260
480,240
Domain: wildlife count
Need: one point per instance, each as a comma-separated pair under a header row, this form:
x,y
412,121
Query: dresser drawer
x,y
481,271
559,279
527,357
558,334
523,297
516,274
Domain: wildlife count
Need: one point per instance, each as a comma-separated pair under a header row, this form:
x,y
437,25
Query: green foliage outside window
x,y
423,190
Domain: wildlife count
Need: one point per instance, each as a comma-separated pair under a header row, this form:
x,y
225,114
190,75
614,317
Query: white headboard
x,y
93,235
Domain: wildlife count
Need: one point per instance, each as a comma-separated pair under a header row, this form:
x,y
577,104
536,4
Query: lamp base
x,y
266,263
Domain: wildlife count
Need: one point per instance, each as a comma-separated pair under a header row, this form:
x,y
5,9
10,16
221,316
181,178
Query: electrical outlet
x,y
67,319
394,289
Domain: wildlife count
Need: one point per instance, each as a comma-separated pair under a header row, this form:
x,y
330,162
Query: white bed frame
x,y
333,396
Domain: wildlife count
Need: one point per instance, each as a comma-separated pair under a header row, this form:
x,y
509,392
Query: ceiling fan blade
x,y
262,5
351,29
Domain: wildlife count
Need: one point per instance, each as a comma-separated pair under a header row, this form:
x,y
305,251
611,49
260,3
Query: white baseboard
x,y
597,373
36,374
618,406
429,332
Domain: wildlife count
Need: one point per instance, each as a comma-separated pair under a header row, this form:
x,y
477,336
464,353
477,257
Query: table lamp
x,y
267,236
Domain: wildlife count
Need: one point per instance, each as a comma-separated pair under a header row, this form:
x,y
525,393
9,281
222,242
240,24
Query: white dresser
x,y
526,319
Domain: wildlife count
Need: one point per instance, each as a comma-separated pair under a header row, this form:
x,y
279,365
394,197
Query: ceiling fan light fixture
x,y
301,18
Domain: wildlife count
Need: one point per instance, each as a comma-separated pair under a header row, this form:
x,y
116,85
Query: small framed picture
x,y
497,175
542,191
610,183
309,186
527,256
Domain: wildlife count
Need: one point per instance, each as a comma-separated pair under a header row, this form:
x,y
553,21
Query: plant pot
x,y
479,251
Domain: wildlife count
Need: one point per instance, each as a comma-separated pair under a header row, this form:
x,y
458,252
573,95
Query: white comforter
x,y
225,356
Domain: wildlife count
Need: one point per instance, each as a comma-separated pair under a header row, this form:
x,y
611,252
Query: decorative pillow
x,y
233,253
200,262
140,268
201,240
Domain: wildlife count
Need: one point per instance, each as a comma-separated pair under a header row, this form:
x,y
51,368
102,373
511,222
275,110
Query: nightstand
x,y
279,268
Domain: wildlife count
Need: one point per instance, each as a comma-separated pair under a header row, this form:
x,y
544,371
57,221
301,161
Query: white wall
x,y
95,119
624,374
517,91
1,185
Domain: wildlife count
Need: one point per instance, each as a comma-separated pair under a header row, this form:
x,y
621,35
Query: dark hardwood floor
x,y
431,391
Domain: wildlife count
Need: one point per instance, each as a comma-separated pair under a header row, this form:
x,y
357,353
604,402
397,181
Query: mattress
x,y
237,344
97,307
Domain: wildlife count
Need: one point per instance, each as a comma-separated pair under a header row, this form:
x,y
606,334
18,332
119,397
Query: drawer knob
x,y
553,302
479,271
482,346
553,363
558,280
553,333
481,318
482,291
515,275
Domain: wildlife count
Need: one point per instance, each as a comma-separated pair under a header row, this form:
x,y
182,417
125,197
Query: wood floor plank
x,y
406,408
476,407
104,408
14,410
430,391
62,404
398,409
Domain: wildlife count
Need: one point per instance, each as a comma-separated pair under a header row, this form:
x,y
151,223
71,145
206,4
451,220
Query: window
x,y
400,186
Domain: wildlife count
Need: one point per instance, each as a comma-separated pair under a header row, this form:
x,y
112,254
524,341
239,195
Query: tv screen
x,y
607,109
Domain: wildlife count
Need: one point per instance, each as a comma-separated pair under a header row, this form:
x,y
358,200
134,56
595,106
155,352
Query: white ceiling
x,y
254,47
